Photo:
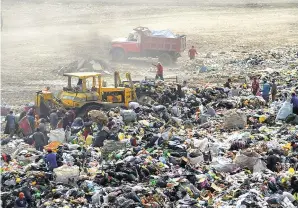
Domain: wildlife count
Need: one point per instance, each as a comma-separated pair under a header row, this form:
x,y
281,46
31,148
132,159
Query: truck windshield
x,y
132,37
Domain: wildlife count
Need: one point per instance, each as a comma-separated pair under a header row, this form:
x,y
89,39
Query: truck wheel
x,y
165,59
118,55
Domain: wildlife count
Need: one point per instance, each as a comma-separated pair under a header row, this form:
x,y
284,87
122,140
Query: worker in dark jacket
x,y
54,120
11,123
21,201
272,161
51,160
28,195
100,137
39,140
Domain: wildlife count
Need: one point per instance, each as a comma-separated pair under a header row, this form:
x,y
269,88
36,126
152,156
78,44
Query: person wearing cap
x,y
159,72
192,53
51,160
273,90
21,201
294,101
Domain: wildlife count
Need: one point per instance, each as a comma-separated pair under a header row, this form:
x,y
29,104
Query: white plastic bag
x,y
285,110
259,166
64,173
195,160
222,164
247,159
57,135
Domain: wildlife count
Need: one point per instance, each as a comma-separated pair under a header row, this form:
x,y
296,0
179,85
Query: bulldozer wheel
x,y
84,111
165,59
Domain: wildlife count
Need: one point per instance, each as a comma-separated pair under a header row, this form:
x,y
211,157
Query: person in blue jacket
x,y
266,91
51,160
21,201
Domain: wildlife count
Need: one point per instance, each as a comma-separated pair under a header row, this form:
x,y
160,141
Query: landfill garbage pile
x,y
85,65
238,63
197,147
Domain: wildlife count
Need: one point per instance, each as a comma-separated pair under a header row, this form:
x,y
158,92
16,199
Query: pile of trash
x,y
85,65
238,63
198,147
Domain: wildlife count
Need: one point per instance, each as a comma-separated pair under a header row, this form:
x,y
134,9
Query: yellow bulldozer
x,y
88,94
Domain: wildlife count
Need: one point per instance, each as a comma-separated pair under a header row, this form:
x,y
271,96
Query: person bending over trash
x,y
39,140
227,86
100,137
51,160
133,140
294,101
272,161
21,201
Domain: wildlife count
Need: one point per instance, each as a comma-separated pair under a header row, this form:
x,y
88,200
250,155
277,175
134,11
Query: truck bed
x,y
163,43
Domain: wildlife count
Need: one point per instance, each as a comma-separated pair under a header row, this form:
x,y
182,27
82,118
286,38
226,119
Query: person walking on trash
x,y
39,140
255,86
266,91
159,71
11,123
192,53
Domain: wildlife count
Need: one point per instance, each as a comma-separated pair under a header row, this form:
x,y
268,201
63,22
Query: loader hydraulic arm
x,y
132,86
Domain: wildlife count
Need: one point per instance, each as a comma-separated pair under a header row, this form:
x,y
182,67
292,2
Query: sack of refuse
x,y
234,119
285,110
247,159
98,116
195,157
57,135
128,116
27,156
65,173
222,164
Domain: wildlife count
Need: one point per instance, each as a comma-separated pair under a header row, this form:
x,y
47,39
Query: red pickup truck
x,y
145,43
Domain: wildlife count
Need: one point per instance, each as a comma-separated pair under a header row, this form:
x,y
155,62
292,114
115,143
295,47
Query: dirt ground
x,y
39,37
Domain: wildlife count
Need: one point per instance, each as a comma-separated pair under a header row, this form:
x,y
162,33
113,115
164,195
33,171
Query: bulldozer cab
x,y
84,92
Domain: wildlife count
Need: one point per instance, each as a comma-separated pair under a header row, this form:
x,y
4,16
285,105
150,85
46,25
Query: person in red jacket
x,y
159,72
192,53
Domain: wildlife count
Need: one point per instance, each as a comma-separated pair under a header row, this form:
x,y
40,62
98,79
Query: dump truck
x,y
88,94
142,42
